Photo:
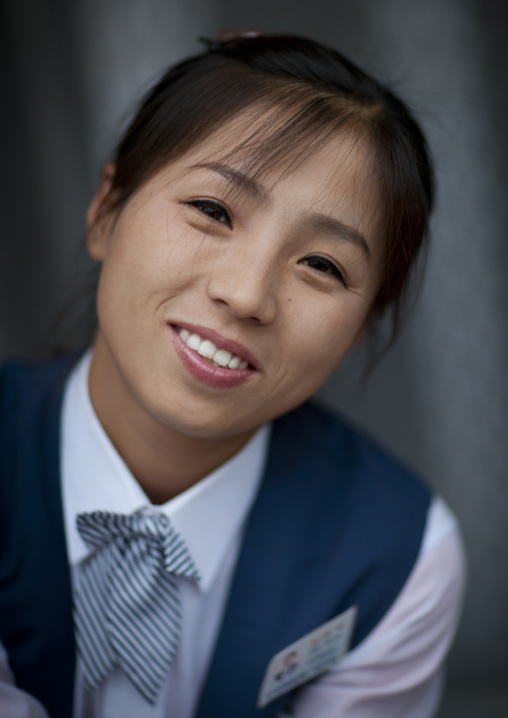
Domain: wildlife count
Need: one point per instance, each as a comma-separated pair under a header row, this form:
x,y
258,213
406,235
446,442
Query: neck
x,y
164,461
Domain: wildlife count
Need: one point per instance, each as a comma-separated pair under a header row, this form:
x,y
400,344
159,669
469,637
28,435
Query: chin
x,y
200,421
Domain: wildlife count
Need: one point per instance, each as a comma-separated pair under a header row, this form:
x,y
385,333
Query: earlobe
x,y
97,215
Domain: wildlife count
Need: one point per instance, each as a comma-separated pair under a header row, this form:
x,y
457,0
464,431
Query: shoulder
x,y
24,381
397,668
30,404
338,451
30,409
363,514
420,625
438,580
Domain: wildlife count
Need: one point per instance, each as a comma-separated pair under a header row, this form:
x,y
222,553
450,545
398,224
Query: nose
x,y
243,279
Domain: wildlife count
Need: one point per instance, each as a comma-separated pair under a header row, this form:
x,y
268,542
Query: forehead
x,y
330,172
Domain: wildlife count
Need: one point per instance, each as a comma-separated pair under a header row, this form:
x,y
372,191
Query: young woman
x,y
265,207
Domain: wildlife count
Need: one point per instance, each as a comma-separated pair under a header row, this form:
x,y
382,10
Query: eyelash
x,y
314,260
215,207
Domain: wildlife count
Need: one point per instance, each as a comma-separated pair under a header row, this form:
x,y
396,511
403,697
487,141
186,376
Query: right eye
x,y
325,266
212,210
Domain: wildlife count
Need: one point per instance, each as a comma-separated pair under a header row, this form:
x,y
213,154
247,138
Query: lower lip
x,y
204,370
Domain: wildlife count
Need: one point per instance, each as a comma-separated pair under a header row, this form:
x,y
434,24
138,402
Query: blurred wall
x,y
71,70
439,400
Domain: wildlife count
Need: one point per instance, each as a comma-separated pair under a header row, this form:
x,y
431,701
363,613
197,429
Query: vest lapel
x,y
263,614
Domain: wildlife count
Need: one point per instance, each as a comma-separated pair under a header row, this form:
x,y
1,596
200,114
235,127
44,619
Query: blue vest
x,y
336,523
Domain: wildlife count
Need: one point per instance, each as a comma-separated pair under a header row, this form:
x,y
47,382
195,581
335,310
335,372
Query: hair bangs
x,y
284,135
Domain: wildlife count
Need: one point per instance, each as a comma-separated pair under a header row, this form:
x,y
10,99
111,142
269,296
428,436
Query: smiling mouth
x,y
208,351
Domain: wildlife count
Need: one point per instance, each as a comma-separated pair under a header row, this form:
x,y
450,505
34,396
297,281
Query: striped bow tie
x,y
127,606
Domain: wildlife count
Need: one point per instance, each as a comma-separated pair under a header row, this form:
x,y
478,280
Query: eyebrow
x,y
238,180
328,225
318,222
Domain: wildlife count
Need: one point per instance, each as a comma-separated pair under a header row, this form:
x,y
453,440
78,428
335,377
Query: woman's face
x,y
275,276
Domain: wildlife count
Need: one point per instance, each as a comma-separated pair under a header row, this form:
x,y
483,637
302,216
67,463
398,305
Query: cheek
x,y
141,265
123,297
322,336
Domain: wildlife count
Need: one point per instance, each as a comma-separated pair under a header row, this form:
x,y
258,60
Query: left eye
x,y
212,210
324,265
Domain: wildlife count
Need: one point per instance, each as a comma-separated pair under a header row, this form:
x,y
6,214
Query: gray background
x,y
439,400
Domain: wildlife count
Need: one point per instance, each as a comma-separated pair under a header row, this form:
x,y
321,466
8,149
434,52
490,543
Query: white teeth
x,y
208,350
222,357
193,341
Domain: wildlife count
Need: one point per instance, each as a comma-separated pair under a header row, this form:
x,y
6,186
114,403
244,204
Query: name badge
x,y
306,658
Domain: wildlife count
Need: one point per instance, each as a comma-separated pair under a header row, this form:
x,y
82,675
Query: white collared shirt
x,y
210,516
395,671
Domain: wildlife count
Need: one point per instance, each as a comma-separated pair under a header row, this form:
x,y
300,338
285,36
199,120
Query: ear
x,y
98,217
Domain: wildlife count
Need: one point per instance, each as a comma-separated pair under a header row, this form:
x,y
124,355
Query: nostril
x,y
245,299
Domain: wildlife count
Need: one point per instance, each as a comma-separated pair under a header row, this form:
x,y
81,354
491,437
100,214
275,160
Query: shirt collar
x,y
209,515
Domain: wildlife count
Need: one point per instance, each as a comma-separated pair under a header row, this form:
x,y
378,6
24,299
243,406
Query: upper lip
x,y
220,342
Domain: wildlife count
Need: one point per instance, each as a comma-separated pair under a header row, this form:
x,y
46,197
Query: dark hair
x,y
305,92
